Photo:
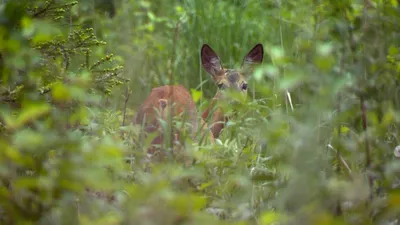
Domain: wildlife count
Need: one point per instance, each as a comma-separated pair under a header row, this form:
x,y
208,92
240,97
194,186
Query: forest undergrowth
x,y
316,140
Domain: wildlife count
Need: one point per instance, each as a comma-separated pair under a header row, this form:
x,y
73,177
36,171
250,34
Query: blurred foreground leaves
x,y
312,143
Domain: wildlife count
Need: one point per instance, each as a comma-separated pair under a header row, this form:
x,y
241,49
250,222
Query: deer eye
x,y
221,86
244,87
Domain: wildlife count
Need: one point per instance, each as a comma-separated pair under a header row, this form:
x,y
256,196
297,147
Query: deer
x,y
226,79
176,101
163,102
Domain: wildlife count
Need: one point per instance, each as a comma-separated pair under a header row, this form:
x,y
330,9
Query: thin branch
x,y
170,76
289,98
127,95
365,127
367,147
172,60
66,59
365,28
342,160
46,8
339,210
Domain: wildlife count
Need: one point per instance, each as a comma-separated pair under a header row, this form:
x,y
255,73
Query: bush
x,y
314,143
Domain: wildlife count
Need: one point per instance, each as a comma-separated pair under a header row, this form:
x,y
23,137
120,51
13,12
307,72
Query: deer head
x,y
232,79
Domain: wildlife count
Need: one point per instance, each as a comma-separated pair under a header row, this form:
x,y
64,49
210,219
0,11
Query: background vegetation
x,y
315,142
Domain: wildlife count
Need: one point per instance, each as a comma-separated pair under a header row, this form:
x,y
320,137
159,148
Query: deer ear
x,y
210,60
255,56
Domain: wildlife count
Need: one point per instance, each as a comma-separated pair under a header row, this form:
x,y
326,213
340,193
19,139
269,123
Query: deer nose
x,y
244,87
163,103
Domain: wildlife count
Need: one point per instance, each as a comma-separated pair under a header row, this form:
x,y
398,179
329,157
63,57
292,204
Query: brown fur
x,y
159,99
162,101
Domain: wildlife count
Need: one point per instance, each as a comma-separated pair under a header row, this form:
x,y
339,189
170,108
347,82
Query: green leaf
x,y
26,182
44,31
394,199
393,50
344,129
269,218
277,55
28,28
28,139
324,49
186,202
11,153
196,95
28,114
289,81
151,16
60,92
325,63
262,174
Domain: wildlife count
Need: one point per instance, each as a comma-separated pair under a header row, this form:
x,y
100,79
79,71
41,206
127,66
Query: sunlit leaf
x,y
186,202
270,218
108,219
27,26
394,199
151,16
344,129
11,153
393,50
325,63
60,92
324,49
388,118
196,95
44,31
277,54
28,114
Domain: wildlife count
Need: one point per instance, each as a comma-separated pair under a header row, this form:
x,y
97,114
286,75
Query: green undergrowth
x,y
315,141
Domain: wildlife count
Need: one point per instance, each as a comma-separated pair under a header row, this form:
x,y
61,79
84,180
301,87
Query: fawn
x,y
235,80
175,100
162,102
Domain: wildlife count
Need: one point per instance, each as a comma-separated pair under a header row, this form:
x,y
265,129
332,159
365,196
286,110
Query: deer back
x,y
163,101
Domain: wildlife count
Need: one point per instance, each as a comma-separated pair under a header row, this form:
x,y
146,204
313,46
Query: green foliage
x,y
313,143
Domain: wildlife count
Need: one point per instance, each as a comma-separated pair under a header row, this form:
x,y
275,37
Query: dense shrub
x,y
314,143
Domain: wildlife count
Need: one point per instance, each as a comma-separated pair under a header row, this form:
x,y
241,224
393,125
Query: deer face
x,y
232,79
